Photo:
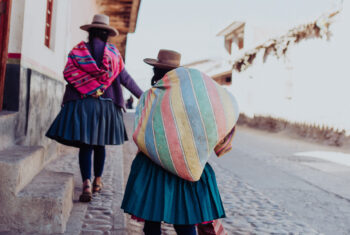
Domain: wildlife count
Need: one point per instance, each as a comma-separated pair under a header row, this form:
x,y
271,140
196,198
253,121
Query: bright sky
x,y
190,26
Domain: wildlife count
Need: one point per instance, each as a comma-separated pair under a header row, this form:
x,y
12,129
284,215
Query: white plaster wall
x,y
16,26
82,12
68,16
35,55
256,34
311,86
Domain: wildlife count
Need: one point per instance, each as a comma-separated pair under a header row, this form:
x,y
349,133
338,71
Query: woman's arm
x,y
129,83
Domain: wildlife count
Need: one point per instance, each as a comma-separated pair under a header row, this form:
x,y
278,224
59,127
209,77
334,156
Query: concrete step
x,y
18,166
45,204
33,198
7,129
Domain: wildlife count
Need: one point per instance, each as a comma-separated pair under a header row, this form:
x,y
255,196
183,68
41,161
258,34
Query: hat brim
x,y
112,31
158,64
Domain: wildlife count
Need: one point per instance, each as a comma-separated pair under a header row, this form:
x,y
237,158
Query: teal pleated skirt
x,y
90,121
155,194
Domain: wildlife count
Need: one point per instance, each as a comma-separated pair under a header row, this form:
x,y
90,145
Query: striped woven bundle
x,y
182,118
215,228
81,70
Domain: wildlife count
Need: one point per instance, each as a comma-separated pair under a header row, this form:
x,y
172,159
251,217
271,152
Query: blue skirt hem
x,y
88,121
155,194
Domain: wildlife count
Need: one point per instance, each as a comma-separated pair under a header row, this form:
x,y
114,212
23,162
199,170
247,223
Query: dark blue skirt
x,y
88,121
155,194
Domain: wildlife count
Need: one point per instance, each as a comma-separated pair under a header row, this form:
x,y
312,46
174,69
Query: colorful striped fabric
x,y
182,118
82,72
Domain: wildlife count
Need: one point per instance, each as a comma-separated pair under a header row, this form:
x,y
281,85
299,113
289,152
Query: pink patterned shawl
x,y
81,70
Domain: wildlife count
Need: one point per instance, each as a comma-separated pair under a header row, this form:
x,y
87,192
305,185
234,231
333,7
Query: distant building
x,y
240,36
294,74
234,35
237,37
219,69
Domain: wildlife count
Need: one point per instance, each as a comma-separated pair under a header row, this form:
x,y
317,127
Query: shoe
x,y
96,188
86,196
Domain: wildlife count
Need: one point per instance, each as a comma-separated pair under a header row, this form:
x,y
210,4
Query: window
x,y
48,24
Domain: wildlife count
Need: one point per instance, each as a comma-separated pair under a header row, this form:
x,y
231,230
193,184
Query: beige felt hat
x,y
167,59
100,21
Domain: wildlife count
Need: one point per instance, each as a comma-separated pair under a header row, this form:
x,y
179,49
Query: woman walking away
x,y
91,115
160,187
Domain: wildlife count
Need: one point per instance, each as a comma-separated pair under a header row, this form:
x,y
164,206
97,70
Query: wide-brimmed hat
x,y
167,59
100,21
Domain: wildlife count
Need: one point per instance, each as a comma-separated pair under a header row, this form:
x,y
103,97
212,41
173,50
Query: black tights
x,y
153,228
85,162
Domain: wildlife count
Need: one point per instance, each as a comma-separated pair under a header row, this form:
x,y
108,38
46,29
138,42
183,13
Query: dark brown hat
x,y
100,21
167,59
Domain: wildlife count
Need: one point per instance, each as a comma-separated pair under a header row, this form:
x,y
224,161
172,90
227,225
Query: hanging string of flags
x,y
280,45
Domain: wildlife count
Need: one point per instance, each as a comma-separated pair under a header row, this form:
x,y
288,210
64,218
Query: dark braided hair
x,y
158,74
101,34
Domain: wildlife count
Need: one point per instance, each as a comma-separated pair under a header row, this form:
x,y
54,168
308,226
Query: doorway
x,y
5,12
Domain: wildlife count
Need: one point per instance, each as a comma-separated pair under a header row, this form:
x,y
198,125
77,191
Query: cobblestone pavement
x,y
247,210
250,212
103,214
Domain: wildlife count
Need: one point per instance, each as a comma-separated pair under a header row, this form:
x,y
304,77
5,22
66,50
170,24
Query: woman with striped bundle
x,y
179,122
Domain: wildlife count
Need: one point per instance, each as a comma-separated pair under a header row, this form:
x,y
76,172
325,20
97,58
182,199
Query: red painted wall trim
x,y
14,55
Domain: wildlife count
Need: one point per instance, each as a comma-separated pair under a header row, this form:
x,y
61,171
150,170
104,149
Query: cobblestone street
x,y
248,209
102,215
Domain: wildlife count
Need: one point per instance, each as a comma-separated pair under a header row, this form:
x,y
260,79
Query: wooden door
x,y
5,11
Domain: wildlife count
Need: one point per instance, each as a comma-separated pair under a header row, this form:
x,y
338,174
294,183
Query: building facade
x,y
36,38
300,81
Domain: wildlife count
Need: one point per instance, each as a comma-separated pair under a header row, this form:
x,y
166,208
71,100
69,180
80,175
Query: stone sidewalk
x,y
103,214
248,211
